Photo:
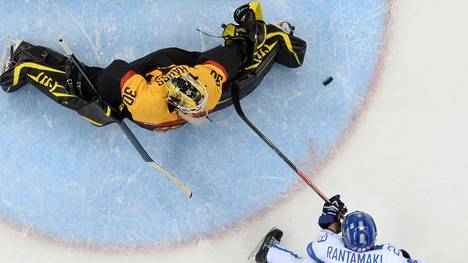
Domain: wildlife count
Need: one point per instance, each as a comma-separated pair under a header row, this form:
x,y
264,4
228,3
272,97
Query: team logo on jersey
x,y
260,54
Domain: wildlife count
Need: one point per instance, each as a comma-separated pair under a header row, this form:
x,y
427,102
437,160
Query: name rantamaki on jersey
x,y
347,256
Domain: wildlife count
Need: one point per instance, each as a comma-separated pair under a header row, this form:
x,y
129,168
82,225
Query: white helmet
x,y
187,94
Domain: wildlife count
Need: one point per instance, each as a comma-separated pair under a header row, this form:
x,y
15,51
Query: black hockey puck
x,y
327,81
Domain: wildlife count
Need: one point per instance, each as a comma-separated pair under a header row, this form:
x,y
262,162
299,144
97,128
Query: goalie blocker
x,y
56,76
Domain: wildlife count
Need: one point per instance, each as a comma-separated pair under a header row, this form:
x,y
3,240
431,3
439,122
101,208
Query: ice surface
x,y
67,179
404,162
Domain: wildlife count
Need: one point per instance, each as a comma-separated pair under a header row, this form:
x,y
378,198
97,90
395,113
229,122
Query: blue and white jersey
x,y
329,248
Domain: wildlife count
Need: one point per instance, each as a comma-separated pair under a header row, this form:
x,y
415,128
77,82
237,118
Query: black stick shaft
x,y
131,137
237,106
77,64
83,73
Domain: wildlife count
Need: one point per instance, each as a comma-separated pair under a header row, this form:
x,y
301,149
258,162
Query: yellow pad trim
x,y
257,8
261,54
108,112
47,82
57,94
121,107
287,41
229,31
18,69
91,121
264,39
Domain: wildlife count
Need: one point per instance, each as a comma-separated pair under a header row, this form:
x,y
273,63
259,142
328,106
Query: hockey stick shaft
x,y
72,56
128,133
240,112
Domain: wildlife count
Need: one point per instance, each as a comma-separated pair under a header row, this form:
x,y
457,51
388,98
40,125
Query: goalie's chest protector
x,y
145,97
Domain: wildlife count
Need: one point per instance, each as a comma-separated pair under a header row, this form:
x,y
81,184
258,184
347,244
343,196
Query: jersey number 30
x,y
129,96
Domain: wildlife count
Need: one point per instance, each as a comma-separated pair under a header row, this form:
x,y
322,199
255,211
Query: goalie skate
x,y
285,26
7,63
7,55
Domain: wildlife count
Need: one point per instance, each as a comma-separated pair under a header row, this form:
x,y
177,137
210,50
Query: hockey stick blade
x,y
240,112
181,185
131,137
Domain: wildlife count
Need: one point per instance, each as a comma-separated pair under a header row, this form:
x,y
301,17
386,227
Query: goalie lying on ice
x,y
166,88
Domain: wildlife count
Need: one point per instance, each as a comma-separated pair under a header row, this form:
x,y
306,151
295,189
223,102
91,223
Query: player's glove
x,y
332,212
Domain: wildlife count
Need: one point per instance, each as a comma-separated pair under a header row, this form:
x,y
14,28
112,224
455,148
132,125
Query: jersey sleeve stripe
x,y
285,250
126,77
164,124
219,66
310,251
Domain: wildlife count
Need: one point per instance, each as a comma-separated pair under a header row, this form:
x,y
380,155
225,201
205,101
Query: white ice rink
x,y
404,160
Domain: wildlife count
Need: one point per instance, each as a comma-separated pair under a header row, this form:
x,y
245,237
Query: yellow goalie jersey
x,y
145,96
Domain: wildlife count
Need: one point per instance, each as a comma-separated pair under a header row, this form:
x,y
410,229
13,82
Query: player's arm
x,y
318,249
146,103
130,86
313,254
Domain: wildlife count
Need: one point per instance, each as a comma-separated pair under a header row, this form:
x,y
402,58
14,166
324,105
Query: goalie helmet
x,y
359,231
187,94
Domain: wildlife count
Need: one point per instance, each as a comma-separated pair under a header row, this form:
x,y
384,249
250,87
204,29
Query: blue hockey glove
x,y
332,212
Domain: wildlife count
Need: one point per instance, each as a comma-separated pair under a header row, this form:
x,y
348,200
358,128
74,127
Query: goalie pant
x,y
328,247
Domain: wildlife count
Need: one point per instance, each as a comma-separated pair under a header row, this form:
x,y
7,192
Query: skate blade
x,y
8,49
258,247
284,26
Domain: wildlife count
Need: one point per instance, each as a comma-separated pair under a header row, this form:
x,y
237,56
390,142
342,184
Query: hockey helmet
x,y
359,231
187,94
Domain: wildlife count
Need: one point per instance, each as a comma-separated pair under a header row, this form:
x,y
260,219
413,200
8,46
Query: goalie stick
x,y
240,112
128,133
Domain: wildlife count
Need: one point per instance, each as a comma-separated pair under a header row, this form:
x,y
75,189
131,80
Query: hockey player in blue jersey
x,y
355,244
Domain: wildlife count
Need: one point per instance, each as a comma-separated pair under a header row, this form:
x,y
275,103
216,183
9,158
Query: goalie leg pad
x,y
292,49
57,77
46,69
